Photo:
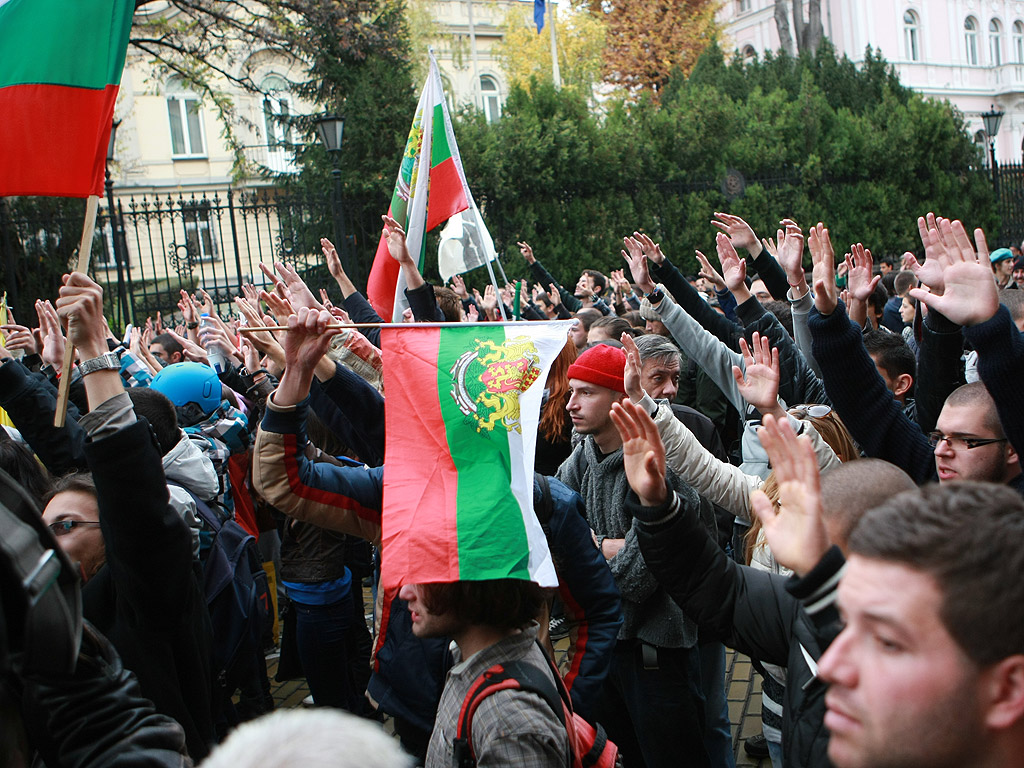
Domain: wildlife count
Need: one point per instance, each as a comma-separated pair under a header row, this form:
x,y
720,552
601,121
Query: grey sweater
x,y
649,614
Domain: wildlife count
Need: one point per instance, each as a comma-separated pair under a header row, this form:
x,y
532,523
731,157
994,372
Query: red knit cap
x,y
602,365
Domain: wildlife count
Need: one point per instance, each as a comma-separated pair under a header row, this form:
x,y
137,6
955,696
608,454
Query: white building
x,y
970,52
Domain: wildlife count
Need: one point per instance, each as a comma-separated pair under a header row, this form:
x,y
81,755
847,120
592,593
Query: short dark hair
x,y
903,282
504,604
878,298
449,303
169,343
854,487
783,313
888,282
587,316
616,325
894,356
969,537
156,408
81,482
18,462
975,395
600,281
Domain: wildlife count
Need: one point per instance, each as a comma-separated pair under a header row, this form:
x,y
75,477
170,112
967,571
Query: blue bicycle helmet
x,y
193,388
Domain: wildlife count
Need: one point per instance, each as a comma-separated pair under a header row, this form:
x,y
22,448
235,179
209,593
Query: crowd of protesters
x,y
818,468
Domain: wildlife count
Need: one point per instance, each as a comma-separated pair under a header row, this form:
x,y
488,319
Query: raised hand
x,y
554,295
395,235
333,260
791,253
217,334
205,305
637,260
472,314
795,532
189,310
930,272
280,307
527,251
759,382
738,231
489,302
80,308
631,373
643,454
20,337
650,248
823,274
52,352
538,292
298,291
969,293
709,273
859,266
734,269
305,344
459,286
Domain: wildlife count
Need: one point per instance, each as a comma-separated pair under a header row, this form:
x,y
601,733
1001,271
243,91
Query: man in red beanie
x,y
650,706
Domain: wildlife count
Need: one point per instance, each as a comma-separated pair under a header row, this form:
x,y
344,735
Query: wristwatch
x,y
107,362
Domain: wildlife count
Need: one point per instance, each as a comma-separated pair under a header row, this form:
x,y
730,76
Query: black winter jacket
x,y
788,622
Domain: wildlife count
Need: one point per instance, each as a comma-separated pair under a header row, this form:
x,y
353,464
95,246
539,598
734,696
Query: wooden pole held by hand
x,y
84,254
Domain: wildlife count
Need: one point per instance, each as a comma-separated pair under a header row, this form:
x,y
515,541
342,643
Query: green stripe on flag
x,y
79,43
491,534
439,149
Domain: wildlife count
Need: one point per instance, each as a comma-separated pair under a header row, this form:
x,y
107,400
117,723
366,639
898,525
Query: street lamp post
x,y
331,129
115,235
992,119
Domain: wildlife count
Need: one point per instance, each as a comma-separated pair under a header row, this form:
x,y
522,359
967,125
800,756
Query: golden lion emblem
x,y
487,381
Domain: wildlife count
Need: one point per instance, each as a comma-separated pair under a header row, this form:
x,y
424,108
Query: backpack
x,y
237,595
588,743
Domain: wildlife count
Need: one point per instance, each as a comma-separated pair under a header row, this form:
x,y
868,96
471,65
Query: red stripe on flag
x,y
447,195
383,280
418,528
53,139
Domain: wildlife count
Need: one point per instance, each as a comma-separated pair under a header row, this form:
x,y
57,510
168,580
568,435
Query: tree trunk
x,y
813,32
782,26
798,24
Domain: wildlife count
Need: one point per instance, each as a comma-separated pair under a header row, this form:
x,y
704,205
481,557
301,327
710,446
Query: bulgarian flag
x,y
461,423
60,67
431,188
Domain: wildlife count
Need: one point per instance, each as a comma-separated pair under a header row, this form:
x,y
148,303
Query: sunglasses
x,y
64,527
813,410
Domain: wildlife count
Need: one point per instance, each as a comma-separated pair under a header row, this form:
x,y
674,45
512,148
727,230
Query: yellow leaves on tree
x,y
648,39
524,54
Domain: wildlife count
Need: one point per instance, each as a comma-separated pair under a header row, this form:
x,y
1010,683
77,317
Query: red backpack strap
x,y
513,675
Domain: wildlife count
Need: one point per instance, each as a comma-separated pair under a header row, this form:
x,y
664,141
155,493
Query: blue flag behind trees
x,y
538,14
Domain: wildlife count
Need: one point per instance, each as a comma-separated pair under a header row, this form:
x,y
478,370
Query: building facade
x,y
969,52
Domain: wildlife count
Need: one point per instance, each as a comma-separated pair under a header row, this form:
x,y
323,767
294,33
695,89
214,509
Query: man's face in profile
x,y
901,693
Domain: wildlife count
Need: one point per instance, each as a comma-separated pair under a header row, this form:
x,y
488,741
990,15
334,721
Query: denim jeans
x,y
322,637
718,733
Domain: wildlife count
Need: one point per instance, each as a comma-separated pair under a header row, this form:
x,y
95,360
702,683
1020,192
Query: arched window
x,y
981,139
995,43
911,36
971,40
742,6
185,121
749,54
1018,42
277,110
491,99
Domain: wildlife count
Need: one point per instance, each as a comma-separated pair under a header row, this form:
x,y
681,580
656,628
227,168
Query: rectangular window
x,y
199,237
186,127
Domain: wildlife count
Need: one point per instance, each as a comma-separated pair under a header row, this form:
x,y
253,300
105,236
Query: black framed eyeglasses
x,y
814,410
64,527
962,443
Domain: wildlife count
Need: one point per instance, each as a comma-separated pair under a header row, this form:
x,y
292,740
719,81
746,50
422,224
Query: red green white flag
x,y
431,188
60,69
461,424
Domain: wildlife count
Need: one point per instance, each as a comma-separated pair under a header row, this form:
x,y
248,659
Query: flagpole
x,y
500,268
556,75
407,326
84,254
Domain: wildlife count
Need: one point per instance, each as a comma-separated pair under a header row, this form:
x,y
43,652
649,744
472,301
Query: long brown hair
x,y
832,430
553,414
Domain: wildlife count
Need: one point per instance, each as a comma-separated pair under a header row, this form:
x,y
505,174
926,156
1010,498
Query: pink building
x,y
969,52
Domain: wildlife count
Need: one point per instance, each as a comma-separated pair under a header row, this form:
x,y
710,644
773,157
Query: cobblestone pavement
x,y
742,684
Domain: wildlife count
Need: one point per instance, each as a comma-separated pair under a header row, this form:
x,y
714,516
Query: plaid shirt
x,y
511,728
